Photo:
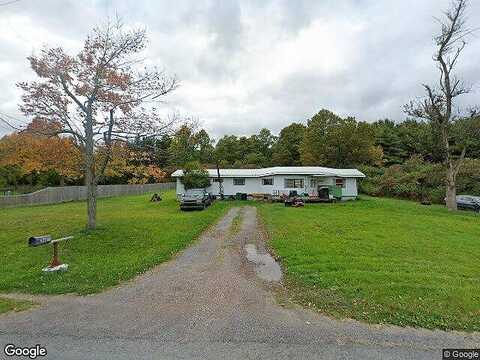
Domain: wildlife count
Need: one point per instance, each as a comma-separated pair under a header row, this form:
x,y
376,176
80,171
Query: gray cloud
x,y
250,64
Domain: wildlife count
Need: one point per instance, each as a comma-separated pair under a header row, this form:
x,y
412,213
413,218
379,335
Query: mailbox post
x,y
55,261
55,264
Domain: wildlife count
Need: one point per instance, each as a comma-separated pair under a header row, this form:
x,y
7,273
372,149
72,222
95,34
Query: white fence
x,y
53,195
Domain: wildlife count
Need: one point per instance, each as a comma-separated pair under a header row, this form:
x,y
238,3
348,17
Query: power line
x,y
9,2
12,122
6,124
5,127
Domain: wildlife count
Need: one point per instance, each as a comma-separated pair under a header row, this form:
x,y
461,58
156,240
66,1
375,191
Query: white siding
x,y
180,188
350,190
255,185
279,183
252,185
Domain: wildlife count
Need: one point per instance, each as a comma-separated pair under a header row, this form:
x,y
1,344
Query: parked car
x,y
468,202
195,199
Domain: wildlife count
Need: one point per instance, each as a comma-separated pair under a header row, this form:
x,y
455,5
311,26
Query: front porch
x,y
325,187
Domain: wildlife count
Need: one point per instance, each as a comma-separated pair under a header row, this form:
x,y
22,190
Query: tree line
x,y
324,140
404,154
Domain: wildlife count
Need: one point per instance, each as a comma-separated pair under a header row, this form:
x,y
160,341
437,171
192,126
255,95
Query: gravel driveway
x,y
210,303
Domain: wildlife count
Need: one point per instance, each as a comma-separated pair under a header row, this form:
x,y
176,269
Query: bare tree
x,y
99,96
438,107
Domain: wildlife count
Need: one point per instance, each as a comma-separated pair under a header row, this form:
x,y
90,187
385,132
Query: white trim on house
x,y
303,179
316,171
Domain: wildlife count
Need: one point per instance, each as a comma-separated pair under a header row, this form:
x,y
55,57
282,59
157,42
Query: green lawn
x,y
381,261
133,235
377,260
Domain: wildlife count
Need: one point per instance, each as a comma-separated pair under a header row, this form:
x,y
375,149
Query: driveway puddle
x,y
266,267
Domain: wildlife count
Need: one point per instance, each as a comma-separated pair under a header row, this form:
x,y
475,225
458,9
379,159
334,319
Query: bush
x,y
194,176
469,177
417,179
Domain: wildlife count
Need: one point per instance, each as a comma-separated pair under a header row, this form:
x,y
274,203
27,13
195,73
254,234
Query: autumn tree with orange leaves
x,y
128,165
99,96
33,152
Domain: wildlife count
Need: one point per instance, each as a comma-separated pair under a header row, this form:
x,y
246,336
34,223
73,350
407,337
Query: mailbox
x,y
39,240
55,264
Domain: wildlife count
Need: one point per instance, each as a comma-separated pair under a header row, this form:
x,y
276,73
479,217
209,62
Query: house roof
x,y
282,170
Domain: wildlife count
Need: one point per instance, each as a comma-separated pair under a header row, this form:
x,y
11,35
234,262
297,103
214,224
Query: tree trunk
x,y
90,179
451,190
91,200
451,174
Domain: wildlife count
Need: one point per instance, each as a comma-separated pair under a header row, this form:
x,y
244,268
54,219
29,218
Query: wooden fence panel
x,y
54,195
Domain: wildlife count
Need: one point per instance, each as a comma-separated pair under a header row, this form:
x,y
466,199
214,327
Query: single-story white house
x,y
313,180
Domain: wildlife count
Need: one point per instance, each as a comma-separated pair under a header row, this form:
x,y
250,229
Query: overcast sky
x,y
244,65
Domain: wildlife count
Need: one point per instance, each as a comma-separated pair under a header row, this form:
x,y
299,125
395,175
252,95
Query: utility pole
x,y
220,183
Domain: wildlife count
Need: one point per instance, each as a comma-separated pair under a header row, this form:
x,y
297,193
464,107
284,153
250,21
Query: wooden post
x,y
55,261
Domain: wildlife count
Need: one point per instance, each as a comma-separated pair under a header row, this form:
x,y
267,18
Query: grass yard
x,y
381,260
133,235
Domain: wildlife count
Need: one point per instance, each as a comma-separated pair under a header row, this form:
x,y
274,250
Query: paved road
x,y
209,303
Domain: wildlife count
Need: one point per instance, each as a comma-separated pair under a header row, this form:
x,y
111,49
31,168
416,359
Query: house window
x,y
313,182
294,183
216,180
267,181
340,183
238,181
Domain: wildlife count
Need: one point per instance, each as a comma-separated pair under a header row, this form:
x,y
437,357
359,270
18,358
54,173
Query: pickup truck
x,y
195,199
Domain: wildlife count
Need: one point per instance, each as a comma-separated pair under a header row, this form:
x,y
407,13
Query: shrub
x,y
194,176
469,177
417,179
